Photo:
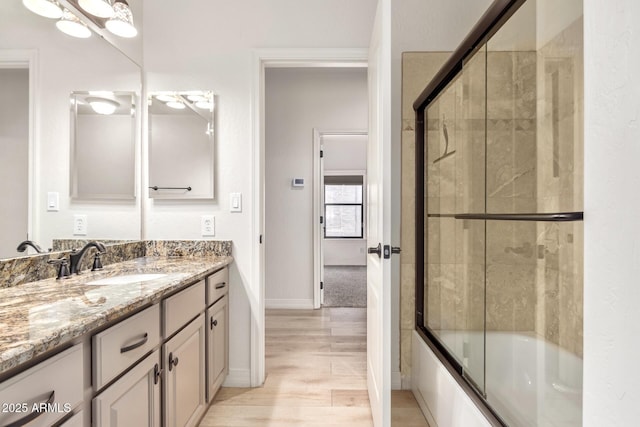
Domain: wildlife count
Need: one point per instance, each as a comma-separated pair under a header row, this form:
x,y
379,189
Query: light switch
x,y
235,202
53,201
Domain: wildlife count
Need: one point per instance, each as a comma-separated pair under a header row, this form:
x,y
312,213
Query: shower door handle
x,y
375,250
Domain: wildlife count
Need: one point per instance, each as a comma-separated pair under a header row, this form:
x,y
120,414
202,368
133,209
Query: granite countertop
x,y
39,316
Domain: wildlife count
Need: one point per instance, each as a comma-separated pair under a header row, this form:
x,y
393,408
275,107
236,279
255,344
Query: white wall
x,y
297,100
612,208
346,155
14,160
209,45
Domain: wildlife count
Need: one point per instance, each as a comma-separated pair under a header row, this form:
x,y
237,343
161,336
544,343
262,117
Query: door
x,y
133,400
217,345
379,222
185,375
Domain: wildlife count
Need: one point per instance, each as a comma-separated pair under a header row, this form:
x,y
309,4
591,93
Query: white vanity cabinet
x,y
133,400
217,324
55,386
184,370
217,345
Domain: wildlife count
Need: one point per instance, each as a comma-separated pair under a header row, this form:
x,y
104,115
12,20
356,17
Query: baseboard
x,y
406,383
304,304
396,381
238,378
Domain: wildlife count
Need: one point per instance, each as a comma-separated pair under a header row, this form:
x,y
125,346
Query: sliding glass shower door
x,y
454,256
501,291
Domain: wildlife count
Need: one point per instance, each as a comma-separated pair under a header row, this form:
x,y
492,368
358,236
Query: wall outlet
x,y
80,225
208,225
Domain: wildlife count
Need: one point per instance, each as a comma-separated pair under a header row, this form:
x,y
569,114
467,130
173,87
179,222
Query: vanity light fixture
x,y
196,98
205,105
46,8
72,26
121,23
165,98
178,105
99,8
102,105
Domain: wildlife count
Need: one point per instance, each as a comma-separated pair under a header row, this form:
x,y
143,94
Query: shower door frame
x,y
493,19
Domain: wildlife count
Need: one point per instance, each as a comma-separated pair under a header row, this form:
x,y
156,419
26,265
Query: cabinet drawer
x,y
217,285
120,346
182,307
58,381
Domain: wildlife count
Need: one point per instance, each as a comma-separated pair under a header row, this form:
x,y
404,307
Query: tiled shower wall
x,y
534,161
418,68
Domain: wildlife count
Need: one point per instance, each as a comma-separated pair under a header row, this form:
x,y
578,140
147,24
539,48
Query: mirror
x,y
181,145
103,130
58,65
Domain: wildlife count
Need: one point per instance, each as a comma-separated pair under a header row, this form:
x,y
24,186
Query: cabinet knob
x,y
213,323
173,361
156,374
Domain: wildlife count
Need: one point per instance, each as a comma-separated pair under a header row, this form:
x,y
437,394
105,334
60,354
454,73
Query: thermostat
x,y
297,182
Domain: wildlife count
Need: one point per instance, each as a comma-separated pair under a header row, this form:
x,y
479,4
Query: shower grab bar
x,y
549,217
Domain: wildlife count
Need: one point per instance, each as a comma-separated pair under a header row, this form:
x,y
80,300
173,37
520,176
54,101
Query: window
x,y
343,209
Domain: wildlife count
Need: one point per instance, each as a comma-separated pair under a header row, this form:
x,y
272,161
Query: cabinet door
x,y
185,375
133,400
54,386
217,346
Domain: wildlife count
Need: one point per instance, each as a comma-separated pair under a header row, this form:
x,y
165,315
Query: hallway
x,y
316,376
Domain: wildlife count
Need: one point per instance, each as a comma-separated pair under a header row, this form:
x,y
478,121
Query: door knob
x,y
375,250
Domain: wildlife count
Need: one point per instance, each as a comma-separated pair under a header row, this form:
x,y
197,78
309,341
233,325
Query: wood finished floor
x,y
316,376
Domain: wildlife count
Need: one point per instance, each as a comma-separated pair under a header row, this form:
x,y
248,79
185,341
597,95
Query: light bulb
x,y
103,105
121,24
46,8
99,8
72,26
176,104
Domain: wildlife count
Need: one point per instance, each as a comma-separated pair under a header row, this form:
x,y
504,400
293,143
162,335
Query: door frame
x,y
318,200
28,58
263,59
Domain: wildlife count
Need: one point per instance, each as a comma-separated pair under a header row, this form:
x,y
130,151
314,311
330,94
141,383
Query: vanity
x,y
143,342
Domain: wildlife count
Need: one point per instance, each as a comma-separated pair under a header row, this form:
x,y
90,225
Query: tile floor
x,y
316,376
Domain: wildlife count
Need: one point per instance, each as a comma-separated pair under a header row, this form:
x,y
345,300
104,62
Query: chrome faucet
x,y
23,246
75,257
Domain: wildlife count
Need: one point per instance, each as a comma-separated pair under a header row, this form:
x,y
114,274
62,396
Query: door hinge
x,y
321,219
321,285
321,154
261,239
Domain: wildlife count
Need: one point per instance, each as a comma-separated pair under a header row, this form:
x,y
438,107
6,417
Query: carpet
x,y
345,286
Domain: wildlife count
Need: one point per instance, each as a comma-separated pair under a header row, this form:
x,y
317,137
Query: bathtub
x,y
528,381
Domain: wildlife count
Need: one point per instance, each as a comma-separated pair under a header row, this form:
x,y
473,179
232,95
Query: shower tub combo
x,y
499,235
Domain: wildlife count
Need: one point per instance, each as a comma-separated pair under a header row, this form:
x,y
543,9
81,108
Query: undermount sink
x,y
126,279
